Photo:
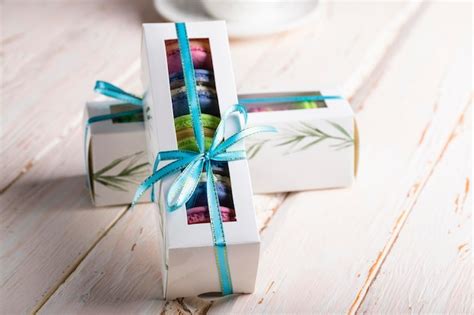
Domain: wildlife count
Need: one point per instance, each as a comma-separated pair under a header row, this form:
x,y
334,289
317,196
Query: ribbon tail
x,y
110,90
185,184
230,156
217,227
240,136
220,131
160,174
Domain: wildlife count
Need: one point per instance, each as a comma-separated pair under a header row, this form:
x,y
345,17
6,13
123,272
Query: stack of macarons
x,y
197,207
266,107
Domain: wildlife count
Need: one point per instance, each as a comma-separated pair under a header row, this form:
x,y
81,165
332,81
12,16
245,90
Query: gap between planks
x,y
79,261
357,90
414,190
77,123
69,129
413,194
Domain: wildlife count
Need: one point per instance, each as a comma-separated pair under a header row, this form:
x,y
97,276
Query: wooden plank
x,y
68,46
428,268
48,224
123,276
53,53
454,95
321,250
76,286
44,227
327,52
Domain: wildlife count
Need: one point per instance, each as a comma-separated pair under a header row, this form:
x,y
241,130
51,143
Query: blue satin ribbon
x,y
190,164
288,99
113,91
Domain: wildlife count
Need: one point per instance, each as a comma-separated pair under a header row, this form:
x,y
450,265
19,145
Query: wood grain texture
x,y
52,223
323,251
337,238
68,294
48,224
122,276
429,267
454,96
325,53
50,65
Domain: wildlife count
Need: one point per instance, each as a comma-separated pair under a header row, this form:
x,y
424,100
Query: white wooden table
x,y
398,241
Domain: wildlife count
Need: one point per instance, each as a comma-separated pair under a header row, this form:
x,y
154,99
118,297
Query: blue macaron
x,y
203,76
199,198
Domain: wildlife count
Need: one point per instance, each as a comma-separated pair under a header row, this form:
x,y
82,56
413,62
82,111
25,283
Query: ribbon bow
x,y
193,163
190,164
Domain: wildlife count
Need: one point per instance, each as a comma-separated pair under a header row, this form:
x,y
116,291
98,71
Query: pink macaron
x,y
201,215
200,53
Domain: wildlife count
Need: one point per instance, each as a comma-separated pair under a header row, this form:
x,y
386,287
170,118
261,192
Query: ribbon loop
x,y
185,184
113,91
190,164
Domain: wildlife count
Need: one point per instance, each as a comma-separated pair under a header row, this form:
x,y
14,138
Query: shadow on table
x,y
51,193
145,10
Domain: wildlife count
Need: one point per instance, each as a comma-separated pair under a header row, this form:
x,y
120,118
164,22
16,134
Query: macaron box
x,y
115,153
316,146
189,260
325,155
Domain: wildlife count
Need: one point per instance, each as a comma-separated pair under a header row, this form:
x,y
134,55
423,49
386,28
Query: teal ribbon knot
x,y
191,164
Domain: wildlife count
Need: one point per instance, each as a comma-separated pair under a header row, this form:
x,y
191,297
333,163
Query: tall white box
x,y
189,263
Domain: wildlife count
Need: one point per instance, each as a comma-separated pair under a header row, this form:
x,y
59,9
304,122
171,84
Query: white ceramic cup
x,y
254,11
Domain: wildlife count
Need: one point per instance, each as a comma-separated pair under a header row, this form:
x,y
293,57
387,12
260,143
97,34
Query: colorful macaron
x,y
185,121
190,144
200,54
207,102
199,197
203,77
187,141
256,107
205,86
201,215
189,133
220,168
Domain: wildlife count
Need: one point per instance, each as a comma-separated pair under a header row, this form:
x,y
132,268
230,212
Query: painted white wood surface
x,y
431,262
33,296
324,37
105,260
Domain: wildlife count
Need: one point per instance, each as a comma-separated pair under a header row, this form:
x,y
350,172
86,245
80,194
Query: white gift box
x,y
117,161
189,263
314,148
322,164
